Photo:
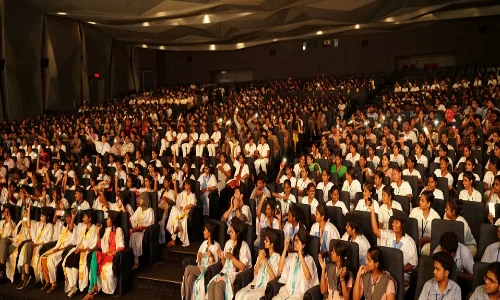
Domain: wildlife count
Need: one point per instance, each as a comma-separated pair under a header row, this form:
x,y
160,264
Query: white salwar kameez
x,y
260,281
107,281
141,218
53,259
80,276
164,205
264,223
178,218
42,233
295,283
229,270
199,289
206,182
21,233
330,232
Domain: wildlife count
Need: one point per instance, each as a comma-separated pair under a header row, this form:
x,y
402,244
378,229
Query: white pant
x,y
164,145
186,148
212,149
175,149
261,163
199,149
283,294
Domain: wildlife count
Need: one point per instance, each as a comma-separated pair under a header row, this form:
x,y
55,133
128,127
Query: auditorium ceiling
x,y
236,24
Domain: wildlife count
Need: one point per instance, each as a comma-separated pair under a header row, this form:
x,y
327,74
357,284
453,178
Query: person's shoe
x,y
26,281
52,288
73,292
20,286
46,286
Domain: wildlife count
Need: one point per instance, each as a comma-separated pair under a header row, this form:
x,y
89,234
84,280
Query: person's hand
x,y
322,262
228,255
262,256
362,270
287,242
342,274
490,218
200,256
110,253
220,254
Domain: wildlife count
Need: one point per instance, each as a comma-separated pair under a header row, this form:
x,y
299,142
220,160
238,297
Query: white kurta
x,y
6,230
164,205
363,244
107,281
179,218
21,233
264,223
53,259
260,281
293,275
406,245
229,270
384,214
141,218
206,261
206,182
41,234
82,239
330,232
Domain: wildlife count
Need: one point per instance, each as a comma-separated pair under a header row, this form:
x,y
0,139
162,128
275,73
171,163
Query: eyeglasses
x,y
489,280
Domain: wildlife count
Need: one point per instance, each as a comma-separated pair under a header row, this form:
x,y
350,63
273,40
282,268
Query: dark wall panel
x,y
122,77
22,86
98,53
65,63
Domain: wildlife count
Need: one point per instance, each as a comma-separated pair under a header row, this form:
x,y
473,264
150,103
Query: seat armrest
x,y
212,271
313,293
122,269
188,261
243,279
46,247
272,288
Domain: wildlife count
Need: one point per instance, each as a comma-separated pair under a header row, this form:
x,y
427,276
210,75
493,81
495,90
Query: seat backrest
x,y
153,196
352,254
337,218
344,197
220,231
413,181
393,262
440,226
306,210
404,201
125,226
313,248
475,214
480,269
366,226
70,196
411,228
442,184
319,196
426,272
438,206
487,236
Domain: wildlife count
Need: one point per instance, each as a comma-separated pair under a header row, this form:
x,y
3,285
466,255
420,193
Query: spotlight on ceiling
x,y
357,26
162,48
145,24
206,19
90,22
61,13
144,46
319,32
212,47
240,45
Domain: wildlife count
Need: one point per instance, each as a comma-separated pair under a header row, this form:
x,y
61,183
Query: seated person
x,y
491,287
441,286
492,252
336,278
324,229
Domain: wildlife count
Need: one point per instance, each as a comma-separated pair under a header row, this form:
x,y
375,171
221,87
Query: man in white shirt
x,y
263,156
409,134
128,146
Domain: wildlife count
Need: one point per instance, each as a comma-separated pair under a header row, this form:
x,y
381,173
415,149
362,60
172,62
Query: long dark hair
x,y
376,255
341,250
239,241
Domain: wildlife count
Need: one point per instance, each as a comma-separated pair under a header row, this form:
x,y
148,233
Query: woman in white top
x,y
334,200
378,185
325,185
365,203
453,211
351,184
298,270
431,187
309,199
202,141
396,156
302,184
266,268
372,157
469,193
470,164
143,217
267,218
353,234
443,171
424,214
421,158
324,229
353,155
411,171
214,141
235,258
385,210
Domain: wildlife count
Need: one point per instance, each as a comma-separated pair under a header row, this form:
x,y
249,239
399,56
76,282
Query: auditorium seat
x,y
441,226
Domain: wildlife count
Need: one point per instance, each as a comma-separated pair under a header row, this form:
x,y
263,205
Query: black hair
x,y
341,250
469,175
429,196
287,181
352,172
322,210
445,260
239,241
389,191
303,237
376,255
494,267
449,242
356,226
457,206
211,228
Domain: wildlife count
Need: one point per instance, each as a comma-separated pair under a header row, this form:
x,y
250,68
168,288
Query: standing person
x,y
441,286
336,278
235,258
266,268
208,184
75,263
143,217
51,258
8,225
491,287
298,270
101,266
21,233
41,232
193,284
372,281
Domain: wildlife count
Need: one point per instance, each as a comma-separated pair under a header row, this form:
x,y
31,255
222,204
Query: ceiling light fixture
x,y
145,24
162,47
212,47
319,32
144,46
90,22
61,13
357,26
206,19
240,45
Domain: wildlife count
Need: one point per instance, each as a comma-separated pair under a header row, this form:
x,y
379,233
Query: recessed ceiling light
x,y
275,40
162,47
357,26
145,24
212,47
144,46
90,22
240,45
206,19
319,32
61,13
